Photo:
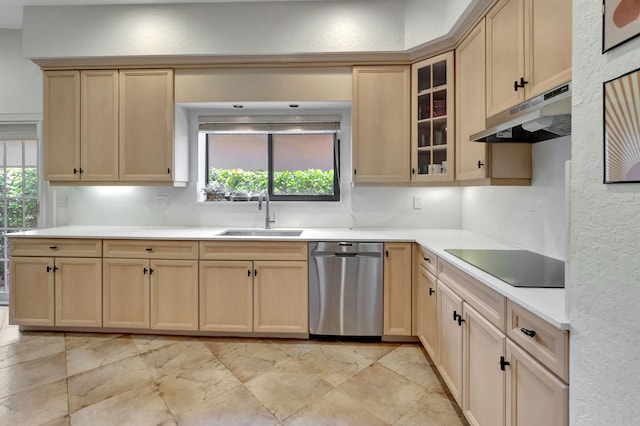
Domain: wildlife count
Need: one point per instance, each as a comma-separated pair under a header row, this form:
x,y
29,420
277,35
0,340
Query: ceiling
x,y
11,10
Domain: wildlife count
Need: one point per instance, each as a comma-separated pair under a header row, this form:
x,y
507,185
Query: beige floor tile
x,y
97,352
236,407
248,360
139,407
4,316
372,350
77,340
334,409
104,382
12,334
434,409
411,362
297,347
148,342
30,349
223,345
382,391
287,389
335,363
30,374
175,357
187,388
60,421
36,406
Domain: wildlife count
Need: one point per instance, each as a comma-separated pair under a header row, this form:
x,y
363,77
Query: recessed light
x,y
238,106
293,105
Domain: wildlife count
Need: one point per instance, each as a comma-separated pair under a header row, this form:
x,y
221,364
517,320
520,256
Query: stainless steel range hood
x,y
544,117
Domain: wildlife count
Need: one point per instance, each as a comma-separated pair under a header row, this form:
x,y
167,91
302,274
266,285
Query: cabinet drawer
x,y
428,259
75,247
253,250
147,249
549,345
489,303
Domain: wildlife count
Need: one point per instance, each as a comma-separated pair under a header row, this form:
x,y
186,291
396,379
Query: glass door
x,y
432,122
18,189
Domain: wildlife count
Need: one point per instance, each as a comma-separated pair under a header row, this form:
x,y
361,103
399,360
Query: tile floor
x,y
122,379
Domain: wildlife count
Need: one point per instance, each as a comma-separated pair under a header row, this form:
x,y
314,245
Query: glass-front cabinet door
x,y
432,119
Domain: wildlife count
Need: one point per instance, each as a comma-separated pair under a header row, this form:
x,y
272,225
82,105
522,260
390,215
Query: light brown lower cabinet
x,y
61,291
226,295
428,313
483,372
534,395
157,294
32,291
397,289
254,296
492,378
450,367
280,297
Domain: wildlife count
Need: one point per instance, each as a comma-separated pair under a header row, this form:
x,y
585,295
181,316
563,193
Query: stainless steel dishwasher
x,y
345,288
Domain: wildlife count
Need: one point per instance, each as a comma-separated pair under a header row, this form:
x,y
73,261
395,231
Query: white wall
x,y
20,79
530,217
604,285
213,29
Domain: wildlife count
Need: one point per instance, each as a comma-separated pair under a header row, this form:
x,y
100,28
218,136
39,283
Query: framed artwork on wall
x,y
620,22
622,128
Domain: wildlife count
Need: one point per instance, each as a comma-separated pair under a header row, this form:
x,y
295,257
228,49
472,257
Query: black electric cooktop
x,y
520,268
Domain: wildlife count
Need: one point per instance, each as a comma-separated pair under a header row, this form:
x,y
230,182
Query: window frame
x,y
270,171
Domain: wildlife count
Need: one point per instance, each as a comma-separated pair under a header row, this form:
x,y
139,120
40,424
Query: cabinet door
x,y
381,140
61,125
146,125
226,296
429,314
432,120
534,395
471,157
505,55
31,295
281,297
99,125
547,44
397,289
450,367
174,294
78,290
125,293
484,381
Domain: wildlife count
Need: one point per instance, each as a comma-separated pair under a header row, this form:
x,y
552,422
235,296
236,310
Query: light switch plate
x,y
162,201
417,203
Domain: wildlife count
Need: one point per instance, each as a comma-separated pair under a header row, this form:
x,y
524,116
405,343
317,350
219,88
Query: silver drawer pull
x,y
529,333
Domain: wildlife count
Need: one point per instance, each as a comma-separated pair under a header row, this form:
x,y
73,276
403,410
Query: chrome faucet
x,y
267,217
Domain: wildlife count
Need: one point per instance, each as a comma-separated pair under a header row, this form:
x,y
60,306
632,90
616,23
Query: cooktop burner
x,y
520,268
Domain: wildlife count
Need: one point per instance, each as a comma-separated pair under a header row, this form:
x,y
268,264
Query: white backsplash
x,y
362,207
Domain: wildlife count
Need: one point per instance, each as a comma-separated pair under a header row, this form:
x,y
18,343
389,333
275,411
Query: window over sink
x,y
291,158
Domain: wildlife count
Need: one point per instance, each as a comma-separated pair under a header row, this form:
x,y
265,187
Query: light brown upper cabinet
x,y
146,125
61,125
381,124
528,50
109,126
99,125
432,119
479,163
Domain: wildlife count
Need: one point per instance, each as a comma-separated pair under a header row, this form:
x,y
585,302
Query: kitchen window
x,y
18,188
293,161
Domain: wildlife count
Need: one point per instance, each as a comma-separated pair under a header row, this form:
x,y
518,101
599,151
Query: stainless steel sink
x,y
262,233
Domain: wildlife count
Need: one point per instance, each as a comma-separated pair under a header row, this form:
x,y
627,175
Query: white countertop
x,y
547,303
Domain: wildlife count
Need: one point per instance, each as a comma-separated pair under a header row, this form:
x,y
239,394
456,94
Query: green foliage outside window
x,y
293,182
17,187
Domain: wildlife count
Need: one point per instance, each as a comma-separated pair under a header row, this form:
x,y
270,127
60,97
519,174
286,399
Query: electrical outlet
x,y
417,203
162,201
63,201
